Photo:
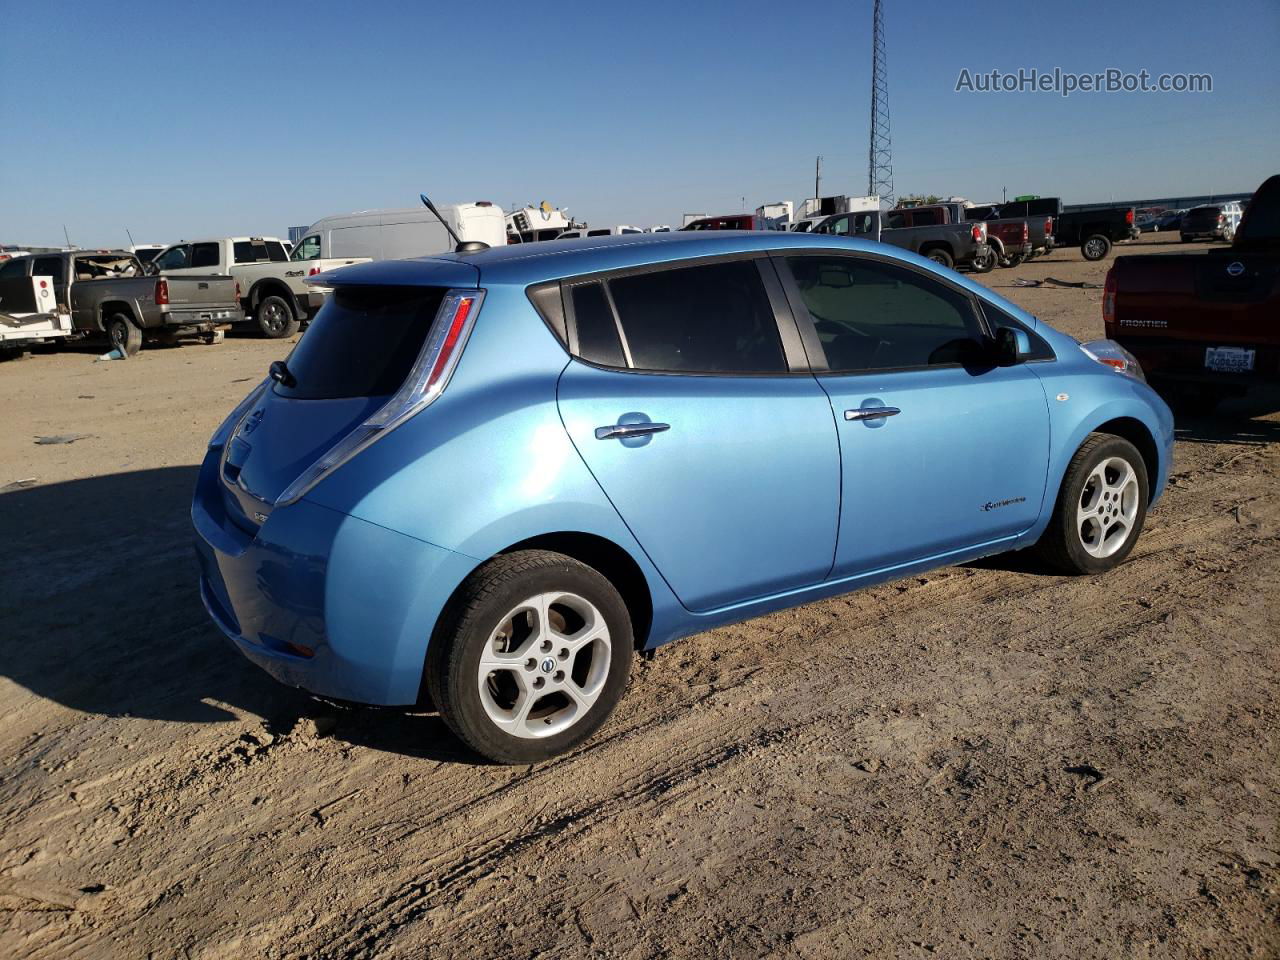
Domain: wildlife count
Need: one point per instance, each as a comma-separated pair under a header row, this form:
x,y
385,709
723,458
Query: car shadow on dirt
x,y
1238,420
100,612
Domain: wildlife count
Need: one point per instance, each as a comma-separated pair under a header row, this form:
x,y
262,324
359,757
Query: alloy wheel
x,y
544,665
1108,507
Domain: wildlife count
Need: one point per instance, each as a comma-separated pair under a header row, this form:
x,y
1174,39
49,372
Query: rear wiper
x,y
279,372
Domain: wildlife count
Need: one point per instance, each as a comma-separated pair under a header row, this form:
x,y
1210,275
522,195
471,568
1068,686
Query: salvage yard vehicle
x,y
1039,230
107,291
29,314
732,221
926,231
393,234
1204,325
1212,221
1093,231
271,288
484,480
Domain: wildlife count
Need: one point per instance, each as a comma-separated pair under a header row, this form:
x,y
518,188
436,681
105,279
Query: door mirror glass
x,y
1012,346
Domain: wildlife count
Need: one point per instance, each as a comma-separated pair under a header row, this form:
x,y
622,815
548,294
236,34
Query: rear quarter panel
x,y
446,477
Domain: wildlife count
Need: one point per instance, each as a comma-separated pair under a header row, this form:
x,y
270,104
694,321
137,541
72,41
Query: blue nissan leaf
x,y
484,480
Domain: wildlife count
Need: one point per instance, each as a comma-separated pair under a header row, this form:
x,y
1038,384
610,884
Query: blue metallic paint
x,y
360,568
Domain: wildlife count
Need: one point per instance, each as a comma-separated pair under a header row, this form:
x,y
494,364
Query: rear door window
x,y
249,251
175,258
362,343
49,267
205,254
714,318
276,251
597,329
872,315
13,270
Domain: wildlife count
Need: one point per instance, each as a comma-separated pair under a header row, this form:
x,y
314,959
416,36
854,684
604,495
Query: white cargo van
x,y
398,234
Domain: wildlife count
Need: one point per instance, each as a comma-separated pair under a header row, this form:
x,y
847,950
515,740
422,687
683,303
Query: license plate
x,y
1228,359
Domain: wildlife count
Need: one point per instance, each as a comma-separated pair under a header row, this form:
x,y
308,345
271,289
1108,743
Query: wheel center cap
x,y
548,665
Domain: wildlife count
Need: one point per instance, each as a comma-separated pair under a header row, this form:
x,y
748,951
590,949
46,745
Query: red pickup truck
x,y
1204,324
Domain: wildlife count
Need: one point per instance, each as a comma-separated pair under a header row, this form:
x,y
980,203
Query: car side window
x,y
997,318
872,315
53,267
276,251
896,220
308,248
13,270
713,318
175,258
204,255
597,330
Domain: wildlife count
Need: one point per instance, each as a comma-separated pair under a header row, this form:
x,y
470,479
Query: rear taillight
x,y
426,381
1109,298
162,292
313,271
1026,232
1221,218
1128,216
1048,226
238,290
978,233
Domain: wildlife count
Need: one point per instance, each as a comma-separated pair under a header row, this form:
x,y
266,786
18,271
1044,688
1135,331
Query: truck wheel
x,y
275,317
1013,261
1095,247
530,657
123,334
985,264
938,255
1101,507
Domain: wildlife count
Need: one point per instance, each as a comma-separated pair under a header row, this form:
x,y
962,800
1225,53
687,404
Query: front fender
x,y
1080,403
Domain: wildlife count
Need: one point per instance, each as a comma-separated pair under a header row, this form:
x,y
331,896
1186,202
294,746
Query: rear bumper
x,y
321,600
1183,361
201,318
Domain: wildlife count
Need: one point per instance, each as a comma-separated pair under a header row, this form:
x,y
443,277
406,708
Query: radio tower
x,y
880,172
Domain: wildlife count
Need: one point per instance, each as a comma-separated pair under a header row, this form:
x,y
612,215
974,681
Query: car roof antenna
x,y
463,246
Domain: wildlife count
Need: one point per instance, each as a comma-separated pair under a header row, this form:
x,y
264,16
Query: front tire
x,y
1101,507
1095,247
275,317
940,256
124,334
530,657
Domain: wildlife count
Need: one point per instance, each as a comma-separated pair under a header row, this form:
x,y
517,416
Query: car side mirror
x,y
1012,346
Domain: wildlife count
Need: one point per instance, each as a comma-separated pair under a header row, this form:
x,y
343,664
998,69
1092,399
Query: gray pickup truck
x,y
108,292
920,231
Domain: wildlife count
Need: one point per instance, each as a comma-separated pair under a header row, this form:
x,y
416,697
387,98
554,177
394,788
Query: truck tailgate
x,y
190,293
1223,298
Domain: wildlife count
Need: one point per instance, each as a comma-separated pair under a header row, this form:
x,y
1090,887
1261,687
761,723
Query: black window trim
x,y
809,331
793,350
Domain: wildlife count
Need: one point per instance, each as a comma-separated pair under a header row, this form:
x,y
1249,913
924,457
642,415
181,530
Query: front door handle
x,y
621,431
871,413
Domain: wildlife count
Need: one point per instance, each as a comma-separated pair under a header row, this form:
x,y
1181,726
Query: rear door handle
x,y
621,431
871,413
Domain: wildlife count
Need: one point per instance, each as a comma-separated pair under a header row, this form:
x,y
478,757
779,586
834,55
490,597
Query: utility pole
x,y
817,178
1004,194
880,165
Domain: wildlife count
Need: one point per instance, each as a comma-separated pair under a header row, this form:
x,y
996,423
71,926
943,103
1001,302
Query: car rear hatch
x,y
1202,220
365,347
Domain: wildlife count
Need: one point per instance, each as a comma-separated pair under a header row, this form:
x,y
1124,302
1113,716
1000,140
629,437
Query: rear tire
x,y
940,256
987,263
275,317
1101,507
123,334
1014,260
530,656
1095,247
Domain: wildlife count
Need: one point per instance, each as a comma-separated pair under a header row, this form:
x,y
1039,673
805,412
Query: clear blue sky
x,y
182,120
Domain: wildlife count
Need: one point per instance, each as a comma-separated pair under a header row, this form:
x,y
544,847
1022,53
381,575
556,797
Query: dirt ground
x,y
988,761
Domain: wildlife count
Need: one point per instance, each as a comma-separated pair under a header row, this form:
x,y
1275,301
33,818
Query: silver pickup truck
x,y
108,292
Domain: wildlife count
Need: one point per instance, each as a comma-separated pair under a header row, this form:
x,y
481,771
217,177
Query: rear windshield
x,y
1205,213
362,343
